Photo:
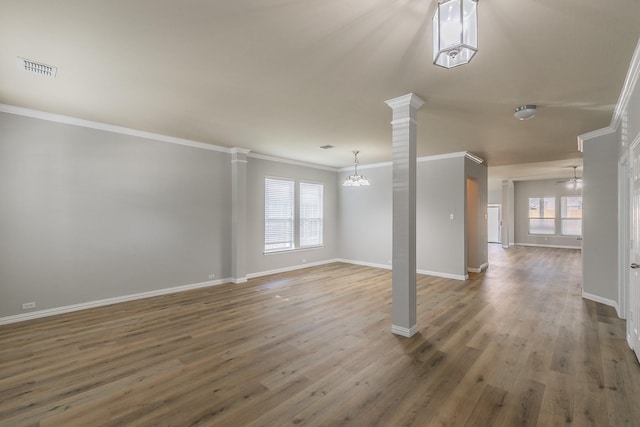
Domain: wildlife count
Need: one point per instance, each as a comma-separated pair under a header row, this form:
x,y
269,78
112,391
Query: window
x,y
310,214
542,215
287,226
278,214
571,215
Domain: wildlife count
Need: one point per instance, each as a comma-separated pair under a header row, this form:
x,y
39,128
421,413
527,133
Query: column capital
x,y
238,150
410,99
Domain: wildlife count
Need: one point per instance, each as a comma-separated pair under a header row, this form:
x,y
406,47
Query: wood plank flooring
x,y
516,345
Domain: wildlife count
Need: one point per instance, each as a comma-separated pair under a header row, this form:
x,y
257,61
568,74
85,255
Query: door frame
x,y
624,240
499,206
633,299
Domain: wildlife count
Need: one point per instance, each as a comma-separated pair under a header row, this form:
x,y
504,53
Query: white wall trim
x,y
365,263
593,134
292,162
239,150
601,300
389,267
547,246
419,160
627,89
444,275
480,269
5,108
107,301
292,268
402,331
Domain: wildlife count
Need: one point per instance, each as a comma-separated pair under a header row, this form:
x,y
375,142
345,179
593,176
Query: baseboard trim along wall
x,y
444,275
548,246
365,263
388,267
292,268
107,301
479,269
601,300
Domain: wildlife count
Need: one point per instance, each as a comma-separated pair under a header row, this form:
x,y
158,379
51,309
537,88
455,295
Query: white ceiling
x,y
284,77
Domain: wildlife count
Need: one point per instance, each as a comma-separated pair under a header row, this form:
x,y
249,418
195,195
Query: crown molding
x,y
464,154
36,114
593,134
238,150
628,88
291,162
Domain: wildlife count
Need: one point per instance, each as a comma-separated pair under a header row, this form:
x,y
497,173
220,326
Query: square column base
x,y
399,330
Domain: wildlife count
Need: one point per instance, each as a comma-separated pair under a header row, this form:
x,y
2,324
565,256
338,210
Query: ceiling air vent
x,y
36,67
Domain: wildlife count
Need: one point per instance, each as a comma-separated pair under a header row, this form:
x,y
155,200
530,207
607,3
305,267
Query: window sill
x,y
306,248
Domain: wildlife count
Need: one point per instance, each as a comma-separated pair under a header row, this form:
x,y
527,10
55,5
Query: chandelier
x,y
455,32
355,180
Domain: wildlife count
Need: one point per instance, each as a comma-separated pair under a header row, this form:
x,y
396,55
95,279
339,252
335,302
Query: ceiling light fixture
x,y
36,67
525,112
455,32
355,180
574,183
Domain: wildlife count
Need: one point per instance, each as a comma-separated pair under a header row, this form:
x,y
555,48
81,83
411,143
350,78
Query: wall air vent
x,y
36,67
326,147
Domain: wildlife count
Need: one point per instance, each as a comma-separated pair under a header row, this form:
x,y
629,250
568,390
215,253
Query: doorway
x,y
493,223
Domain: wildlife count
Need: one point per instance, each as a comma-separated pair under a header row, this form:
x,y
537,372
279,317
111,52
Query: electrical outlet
x,y
212,276
28,305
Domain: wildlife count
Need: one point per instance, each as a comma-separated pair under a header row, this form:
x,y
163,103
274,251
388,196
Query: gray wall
x,y
441,192
495,196
257,170
478,255
87,214
366,216
542,188
600,217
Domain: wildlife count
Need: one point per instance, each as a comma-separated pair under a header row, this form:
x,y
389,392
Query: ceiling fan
x,y
574,182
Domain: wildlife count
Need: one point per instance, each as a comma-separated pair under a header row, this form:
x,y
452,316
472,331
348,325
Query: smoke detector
x,y
36,67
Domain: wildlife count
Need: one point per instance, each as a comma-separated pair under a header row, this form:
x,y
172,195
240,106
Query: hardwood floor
x,y
516,345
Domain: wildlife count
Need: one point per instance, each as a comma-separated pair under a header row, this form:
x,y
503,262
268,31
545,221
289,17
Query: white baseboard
x,y
399,330
364,263
285,269
479,269
239,280
533,245
601,300
107,301
444,275
388,267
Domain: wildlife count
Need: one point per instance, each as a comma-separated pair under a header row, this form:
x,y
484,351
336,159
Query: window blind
x,y
278,214
311,217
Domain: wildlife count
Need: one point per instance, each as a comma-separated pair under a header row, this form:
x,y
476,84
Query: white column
x,y
507,228
404,214
239,214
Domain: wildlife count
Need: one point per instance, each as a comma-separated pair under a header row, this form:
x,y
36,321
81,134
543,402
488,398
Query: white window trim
x,y
296,217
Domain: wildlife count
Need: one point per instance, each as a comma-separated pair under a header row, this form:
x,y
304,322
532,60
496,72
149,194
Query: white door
x,y
633,327
493,223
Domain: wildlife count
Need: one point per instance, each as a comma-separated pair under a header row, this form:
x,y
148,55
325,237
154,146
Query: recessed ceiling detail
x,y
36,67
